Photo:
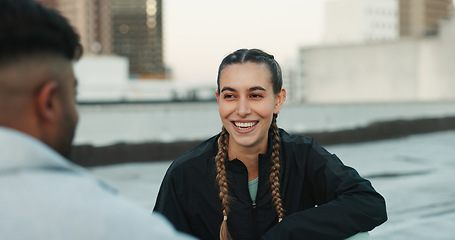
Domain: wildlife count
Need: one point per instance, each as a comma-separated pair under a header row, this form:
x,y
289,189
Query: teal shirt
x,y
253,187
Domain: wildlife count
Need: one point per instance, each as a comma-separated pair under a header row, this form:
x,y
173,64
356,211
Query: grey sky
x,y
199,33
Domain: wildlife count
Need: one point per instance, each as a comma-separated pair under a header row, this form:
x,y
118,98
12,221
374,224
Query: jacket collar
x,y
263,158
21,151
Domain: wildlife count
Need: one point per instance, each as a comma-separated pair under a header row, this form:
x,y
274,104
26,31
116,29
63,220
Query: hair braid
x,y
221,178
275,170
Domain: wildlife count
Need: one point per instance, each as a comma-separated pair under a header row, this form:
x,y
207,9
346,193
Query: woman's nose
x,y
243,107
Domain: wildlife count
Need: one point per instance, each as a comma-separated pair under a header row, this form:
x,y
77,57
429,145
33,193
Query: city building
x,y
405,70
92,20
127,28
138,35
422,17
355,21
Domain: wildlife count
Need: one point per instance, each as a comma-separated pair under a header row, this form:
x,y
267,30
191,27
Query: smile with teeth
x,y
244,125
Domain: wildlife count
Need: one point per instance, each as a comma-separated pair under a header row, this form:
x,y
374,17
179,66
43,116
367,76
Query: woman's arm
x,y
346,203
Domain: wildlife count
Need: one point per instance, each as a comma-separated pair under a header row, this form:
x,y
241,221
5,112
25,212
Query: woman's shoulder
x,y
296,139
199,156
302,144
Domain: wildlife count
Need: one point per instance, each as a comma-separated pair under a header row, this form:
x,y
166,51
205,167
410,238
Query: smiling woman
x,y
254,180
247,103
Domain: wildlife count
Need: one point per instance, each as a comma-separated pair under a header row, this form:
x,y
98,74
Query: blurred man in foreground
x,y
42,194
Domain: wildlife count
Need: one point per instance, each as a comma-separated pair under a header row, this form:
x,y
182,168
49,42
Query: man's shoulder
x,y
76,202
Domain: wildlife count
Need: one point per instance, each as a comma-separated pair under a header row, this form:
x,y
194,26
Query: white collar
x,y
19,150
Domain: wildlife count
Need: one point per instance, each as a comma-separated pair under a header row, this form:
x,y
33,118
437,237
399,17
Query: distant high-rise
x,y
422,17
355,21
129,28
92,19
138,35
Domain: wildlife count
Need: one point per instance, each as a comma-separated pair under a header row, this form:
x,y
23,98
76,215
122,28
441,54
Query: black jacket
x,y
323,199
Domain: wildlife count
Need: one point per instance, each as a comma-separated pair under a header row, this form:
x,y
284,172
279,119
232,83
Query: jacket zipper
x,y
255,220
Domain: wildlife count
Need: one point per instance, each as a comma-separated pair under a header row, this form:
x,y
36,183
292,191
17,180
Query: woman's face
x,y
247,103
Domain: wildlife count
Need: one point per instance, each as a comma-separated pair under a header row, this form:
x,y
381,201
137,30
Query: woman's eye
x,y
228,96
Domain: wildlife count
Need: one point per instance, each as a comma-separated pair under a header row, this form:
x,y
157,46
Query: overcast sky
x,y
199,33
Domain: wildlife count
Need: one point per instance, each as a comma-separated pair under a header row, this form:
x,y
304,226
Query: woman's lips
x,y
245,127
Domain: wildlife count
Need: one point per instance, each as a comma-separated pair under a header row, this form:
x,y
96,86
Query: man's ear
x,y
47,102
217,96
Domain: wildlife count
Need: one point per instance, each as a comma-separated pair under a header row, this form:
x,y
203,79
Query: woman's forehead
x,y
246,75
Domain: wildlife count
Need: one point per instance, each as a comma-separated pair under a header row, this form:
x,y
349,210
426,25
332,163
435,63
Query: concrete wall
x,y
89,155
104,79
403,70
437,65
101,78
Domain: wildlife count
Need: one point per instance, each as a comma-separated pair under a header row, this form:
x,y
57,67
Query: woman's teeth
x,y
244,124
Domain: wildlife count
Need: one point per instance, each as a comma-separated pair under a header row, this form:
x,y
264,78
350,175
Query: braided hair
x,y
255,56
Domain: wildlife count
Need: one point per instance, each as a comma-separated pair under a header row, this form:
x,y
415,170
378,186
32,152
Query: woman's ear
x,y
279,101
217,96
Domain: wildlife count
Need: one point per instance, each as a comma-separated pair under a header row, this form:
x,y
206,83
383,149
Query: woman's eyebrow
x,y
228,89
251,89
256,88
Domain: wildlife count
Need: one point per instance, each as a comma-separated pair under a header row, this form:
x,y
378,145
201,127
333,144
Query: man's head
x,y
37,83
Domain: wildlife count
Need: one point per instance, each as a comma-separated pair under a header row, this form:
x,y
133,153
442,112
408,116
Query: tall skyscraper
x,y
92,19
129,28
138,35
422,17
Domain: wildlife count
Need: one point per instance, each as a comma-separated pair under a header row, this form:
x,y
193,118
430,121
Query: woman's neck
x,y
249,157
